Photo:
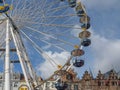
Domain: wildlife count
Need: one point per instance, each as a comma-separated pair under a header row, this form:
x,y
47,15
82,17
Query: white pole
x,y
21,59
7,59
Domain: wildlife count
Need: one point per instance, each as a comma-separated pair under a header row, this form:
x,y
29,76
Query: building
x,y
107,81
17,82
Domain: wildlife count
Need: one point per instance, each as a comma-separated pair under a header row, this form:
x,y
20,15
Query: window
x,y
119,83
15,84
107,84
47,84
0,84
113,83
53,85
99,83
75,87
69,87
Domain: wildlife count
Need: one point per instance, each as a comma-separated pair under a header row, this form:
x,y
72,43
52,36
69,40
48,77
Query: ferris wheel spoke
x,y
53,20
62,16
2,53
54,25
57,46
11,5
2,44
58,8
47,35
45,18
15,10
44,4
39,50
55,28
22,11
63,34
2,33
52,4
48,17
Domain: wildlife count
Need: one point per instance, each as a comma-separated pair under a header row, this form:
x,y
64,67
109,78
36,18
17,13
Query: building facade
x,y
107,81
17,82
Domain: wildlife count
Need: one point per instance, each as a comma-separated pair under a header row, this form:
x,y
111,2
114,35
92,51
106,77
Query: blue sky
x,y
103,54
104,51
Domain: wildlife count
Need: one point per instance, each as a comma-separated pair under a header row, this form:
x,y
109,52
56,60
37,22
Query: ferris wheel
x,y
34,31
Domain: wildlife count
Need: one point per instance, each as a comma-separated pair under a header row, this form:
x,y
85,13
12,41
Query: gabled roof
x,y
107,74
118,74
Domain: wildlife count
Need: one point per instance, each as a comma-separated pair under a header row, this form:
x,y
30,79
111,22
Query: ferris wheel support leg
x,y
68,68
7,59
27,61
19,53
31,71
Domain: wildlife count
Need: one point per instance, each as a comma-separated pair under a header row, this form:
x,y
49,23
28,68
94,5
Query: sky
x,y
102,54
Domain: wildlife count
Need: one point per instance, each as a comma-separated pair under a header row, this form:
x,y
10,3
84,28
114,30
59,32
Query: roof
x,y
107,74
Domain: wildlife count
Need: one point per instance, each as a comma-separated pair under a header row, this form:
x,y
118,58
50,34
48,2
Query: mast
x,y
7,59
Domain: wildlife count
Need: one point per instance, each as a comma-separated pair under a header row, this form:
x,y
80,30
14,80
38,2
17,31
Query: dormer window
x,y
75,87
99,83
114,83
0,77
16,84
0,84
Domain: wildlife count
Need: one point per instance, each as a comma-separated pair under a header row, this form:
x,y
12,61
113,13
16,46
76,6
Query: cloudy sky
x,y
105,48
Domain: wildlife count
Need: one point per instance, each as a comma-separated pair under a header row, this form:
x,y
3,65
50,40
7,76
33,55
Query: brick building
x,y
107,81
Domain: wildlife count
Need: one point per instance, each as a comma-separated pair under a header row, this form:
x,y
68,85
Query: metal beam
x,y
7,59
12,50
14,61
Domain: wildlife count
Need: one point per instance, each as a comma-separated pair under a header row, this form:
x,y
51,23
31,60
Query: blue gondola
x,y
5,9
61,86
1,1
86,42
72,3
80,13
62,0
85,25
77,52
78,63
79,10
84,34
84,19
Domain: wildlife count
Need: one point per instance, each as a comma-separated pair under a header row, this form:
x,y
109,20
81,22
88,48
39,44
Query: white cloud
x,y
102,4
75,32
106,53
46,68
